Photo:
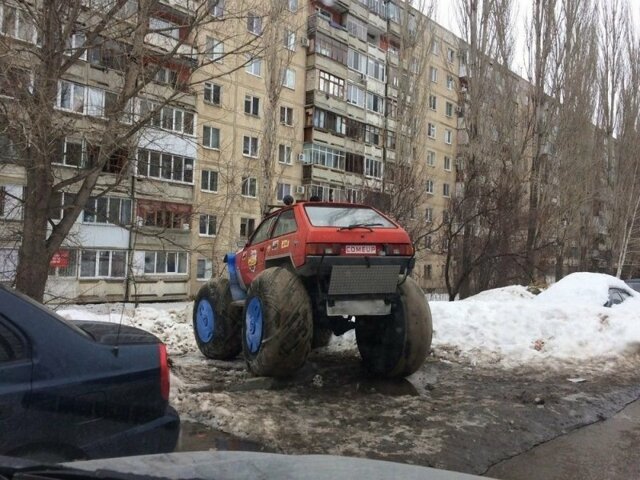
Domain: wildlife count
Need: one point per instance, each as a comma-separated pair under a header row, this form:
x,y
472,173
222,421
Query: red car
x,y
309,270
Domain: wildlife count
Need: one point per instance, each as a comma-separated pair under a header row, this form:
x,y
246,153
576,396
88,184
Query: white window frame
x,y
432,130
447,163
207,137
429,186
284,154
292,5
215,50
431,158
207,224
428,215
85,217
254,67
210,175
166,263
446,190
72,93
249,187
288,116
433,74
207,269
20,17
254,23
450,82
253,144
211,87
360,94
282,190
289,40
448,136
96,269
433,102
254,105
289,79
372,168
451,55
448,109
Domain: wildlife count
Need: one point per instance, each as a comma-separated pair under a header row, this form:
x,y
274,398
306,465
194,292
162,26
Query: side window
x,y
11,345
614,297
286,224
262,233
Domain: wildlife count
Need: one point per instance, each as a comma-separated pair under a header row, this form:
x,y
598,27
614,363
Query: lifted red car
x,y
308,270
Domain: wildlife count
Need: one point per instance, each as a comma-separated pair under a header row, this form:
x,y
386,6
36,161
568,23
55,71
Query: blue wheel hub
x,y
205,321
253,323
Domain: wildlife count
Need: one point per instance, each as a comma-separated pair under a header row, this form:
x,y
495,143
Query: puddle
x,y
196,437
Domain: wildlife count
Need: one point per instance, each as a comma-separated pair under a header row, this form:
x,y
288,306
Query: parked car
x,y
634,283
308,269
72,390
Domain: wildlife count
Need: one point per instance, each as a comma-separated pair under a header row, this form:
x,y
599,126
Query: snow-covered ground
x,y
510,327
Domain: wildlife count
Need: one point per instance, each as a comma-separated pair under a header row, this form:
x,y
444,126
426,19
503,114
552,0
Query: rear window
x,y
328,216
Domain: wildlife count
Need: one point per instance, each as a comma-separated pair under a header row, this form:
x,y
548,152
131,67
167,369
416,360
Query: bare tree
x,y
46,105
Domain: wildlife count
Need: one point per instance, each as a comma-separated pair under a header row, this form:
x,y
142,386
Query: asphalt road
x,y
604,450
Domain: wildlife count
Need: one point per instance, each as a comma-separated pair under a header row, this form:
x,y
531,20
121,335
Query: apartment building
x,y
196,175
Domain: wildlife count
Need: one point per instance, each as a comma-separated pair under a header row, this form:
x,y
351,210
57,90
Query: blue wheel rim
x,y
253,325
205,321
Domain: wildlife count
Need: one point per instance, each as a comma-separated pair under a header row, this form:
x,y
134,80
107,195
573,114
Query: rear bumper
x,y
322,265
157,436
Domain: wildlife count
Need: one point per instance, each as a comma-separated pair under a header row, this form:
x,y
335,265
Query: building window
x,y
331,84
251,105
286,116
164,27
325,156
445,189
428,215
212,93
247,226
284,154
209,181
357,61
357,28
355,95
107,210
433,102
165,263
449,109
429,186
445,218
72,154
373,168
215,50
103,263
450,82
375,103
289,40
428,242
249,187
168,118
433,74
250,146
428,270
216,8
431,130
71,96
208,225
289,78
292,5
451,55
328,47
165,166
283,190
204,269
71,270
254,67
372,135
17,23
254,24
164,215
376,69
448,137
210,137
431,158
447,163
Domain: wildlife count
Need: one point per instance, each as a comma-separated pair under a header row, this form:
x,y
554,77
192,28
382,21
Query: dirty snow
x,y
509,327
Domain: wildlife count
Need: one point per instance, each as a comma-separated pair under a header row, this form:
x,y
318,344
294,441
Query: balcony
x,y
170,44
325,101
323,24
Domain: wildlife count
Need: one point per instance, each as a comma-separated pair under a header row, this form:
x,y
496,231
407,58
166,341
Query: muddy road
x,y
450,414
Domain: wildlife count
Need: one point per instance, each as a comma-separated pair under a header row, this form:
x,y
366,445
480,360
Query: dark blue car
x,y
72,390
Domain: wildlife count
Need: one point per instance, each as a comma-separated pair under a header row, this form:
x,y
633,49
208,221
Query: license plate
x,y
360,249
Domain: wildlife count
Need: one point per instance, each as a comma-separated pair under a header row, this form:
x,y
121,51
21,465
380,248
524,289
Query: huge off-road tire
x,y
277,324
321,337
217,325
397,345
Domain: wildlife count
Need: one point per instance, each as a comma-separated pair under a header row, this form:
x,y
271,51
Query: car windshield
x,y
330,216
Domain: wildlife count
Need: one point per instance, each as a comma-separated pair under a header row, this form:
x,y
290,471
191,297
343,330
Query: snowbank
x,y
583,289
504,294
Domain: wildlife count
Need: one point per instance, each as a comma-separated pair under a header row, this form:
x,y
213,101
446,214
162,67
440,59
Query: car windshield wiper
x,y
361,225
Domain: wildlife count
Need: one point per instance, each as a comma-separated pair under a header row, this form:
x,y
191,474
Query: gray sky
x,y
446,15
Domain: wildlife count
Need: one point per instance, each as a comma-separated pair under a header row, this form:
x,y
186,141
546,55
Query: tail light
x,y
164,371
323,248
404,249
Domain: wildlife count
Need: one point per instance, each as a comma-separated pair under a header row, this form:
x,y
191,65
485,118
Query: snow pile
x,y
565,326
504,294
584,289
170,322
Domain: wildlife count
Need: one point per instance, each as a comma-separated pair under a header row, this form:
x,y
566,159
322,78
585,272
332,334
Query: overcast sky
x,y
446,15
